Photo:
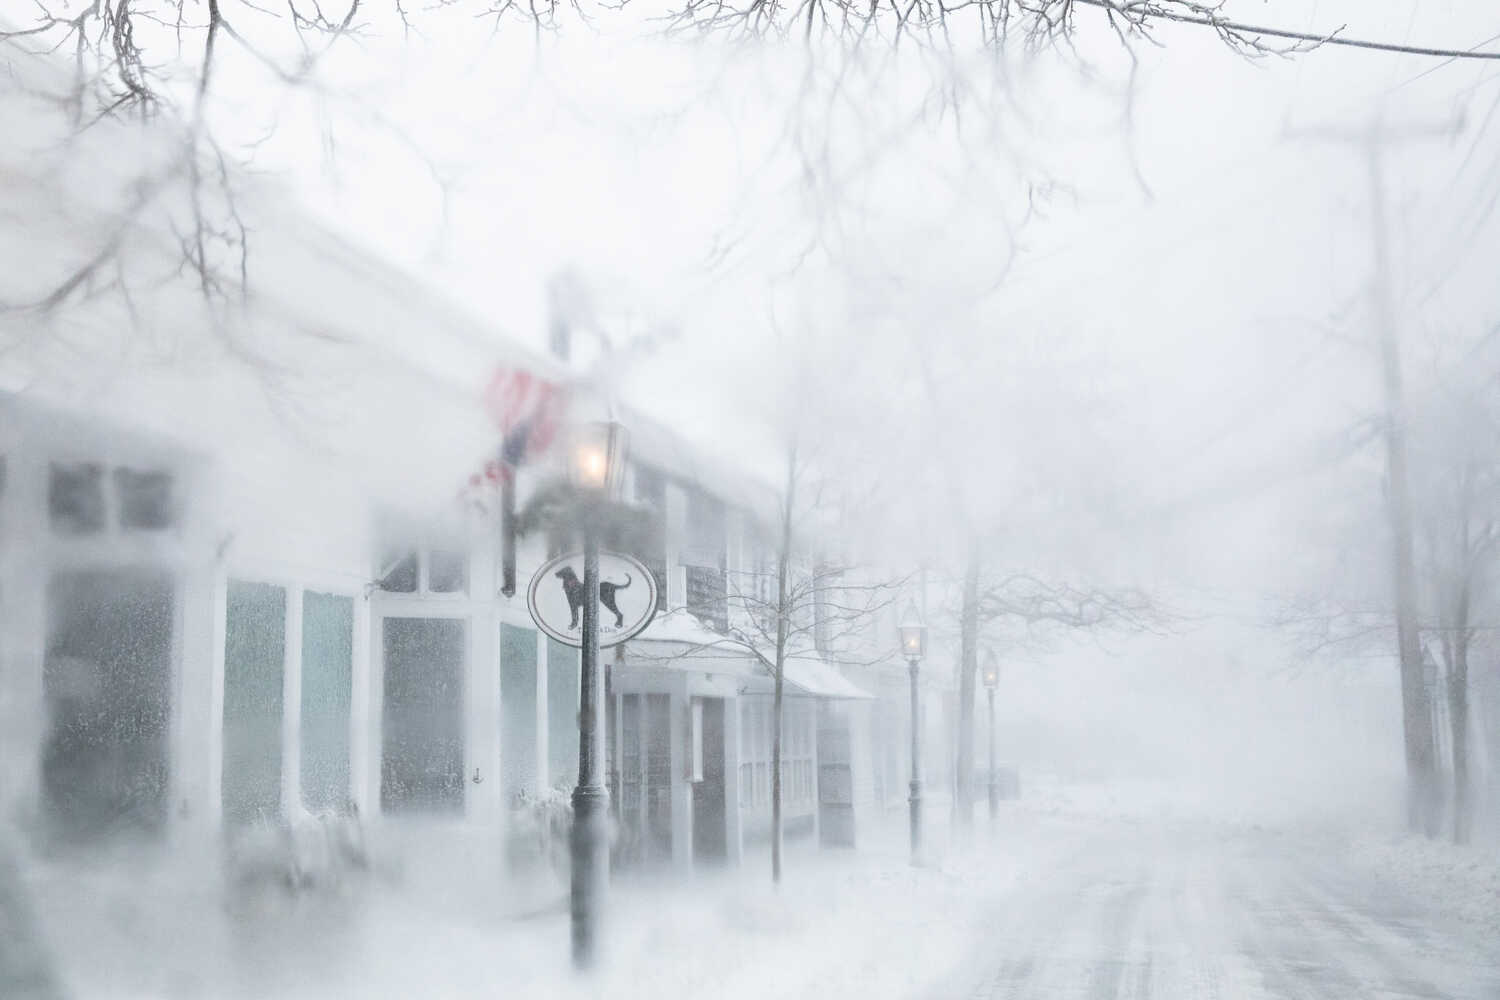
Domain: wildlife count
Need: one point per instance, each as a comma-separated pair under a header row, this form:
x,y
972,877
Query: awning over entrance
x,y
820,679
678,642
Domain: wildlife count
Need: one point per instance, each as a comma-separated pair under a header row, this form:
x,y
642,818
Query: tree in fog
x,y
1456,465
800,600
1018,442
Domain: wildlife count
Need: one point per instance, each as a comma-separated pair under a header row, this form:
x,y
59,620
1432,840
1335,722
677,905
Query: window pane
x,y
517,711
447,571
398,571
145,499
708,596
562,713
422,728
107,687
75,498
706,531
254,654
658,777
327,663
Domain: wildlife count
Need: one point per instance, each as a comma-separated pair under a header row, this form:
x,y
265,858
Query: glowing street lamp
x,y
913,644
596,458
596,464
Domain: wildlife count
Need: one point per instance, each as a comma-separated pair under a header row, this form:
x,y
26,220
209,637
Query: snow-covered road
x,y
1132,911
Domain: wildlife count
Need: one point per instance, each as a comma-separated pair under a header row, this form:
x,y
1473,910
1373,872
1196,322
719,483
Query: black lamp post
x,y
913,645
991,682
596,462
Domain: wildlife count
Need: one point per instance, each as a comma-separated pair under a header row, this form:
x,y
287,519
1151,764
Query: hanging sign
x,y
627,598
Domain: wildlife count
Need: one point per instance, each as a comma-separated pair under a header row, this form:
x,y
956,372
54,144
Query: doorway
x,y
710,831
422,729
645,756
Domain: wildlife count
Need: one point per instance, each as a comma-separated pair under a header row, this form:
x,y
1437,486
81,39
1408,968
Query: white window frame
x,y
424,541
360,669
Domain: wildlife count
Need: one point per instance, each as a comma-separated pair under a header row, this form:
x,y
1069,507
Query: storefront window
x,y
327,663
254,655
518,758
562,712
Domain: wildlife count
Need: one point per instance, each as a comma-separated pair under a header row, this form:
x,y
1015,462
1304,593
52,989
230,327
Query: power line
x,y
1332,38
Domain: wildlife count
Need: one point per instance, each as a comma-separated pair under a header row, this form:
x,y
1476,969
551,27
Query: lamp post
x,y
913,645
991,682
596,461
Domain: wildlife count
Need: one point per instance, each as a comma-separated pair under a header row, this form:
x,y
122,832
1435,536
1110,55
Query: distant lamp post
x,y
913,645
596,463
991,682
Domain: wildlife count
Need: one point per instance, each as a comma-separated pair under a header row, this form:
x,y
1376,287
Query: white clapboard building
x,y
251,564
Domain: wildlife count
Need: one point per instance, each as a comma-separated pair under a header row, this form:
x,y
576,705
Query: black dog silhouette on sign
x,y
573,587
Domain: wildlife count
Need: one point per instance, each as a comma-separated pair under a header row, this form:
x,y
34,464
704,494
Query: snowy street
x,y
1048,904
1136,912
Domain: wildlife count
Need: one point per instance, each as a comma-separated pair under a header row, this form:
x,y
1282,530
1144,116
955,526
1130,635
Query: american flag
x,y
527,409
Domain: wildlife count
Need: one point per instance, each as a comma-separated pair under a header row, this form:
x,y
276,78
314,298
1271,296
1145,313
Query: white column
x,y
542,777
482,800
734,831
291,707
374,705
362,751
812,720
682,789
196,746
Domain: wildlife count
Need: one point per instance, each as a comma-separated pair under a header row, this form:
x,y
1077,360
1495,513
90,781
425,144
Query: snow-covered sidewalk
x,y
1464,881
860,923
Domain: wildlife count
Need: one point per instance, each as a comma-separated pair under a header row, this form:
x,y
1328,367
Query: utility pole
x,y
1423,793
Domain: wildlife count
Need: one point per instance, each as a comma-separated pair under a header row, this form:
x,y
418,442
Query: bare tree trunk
x,y
1416,715
783,610
967,667
1458,721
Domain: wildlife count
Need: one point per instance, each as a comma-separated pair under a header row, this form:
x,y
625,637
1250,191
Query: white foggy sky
x,y
627,160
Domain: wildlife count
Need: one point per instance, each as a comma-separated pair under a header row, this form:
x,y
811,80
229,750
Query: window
x,y
562,712
327,662
107,683
447,570
254,656
428,567
75,498
706,533
145,499
822,629
85,498
756,729
400,572
518,763
798,786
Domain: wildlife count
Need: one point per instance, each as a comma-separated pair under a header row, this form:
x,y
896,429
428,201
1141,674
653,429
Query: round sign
x,y
627,598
